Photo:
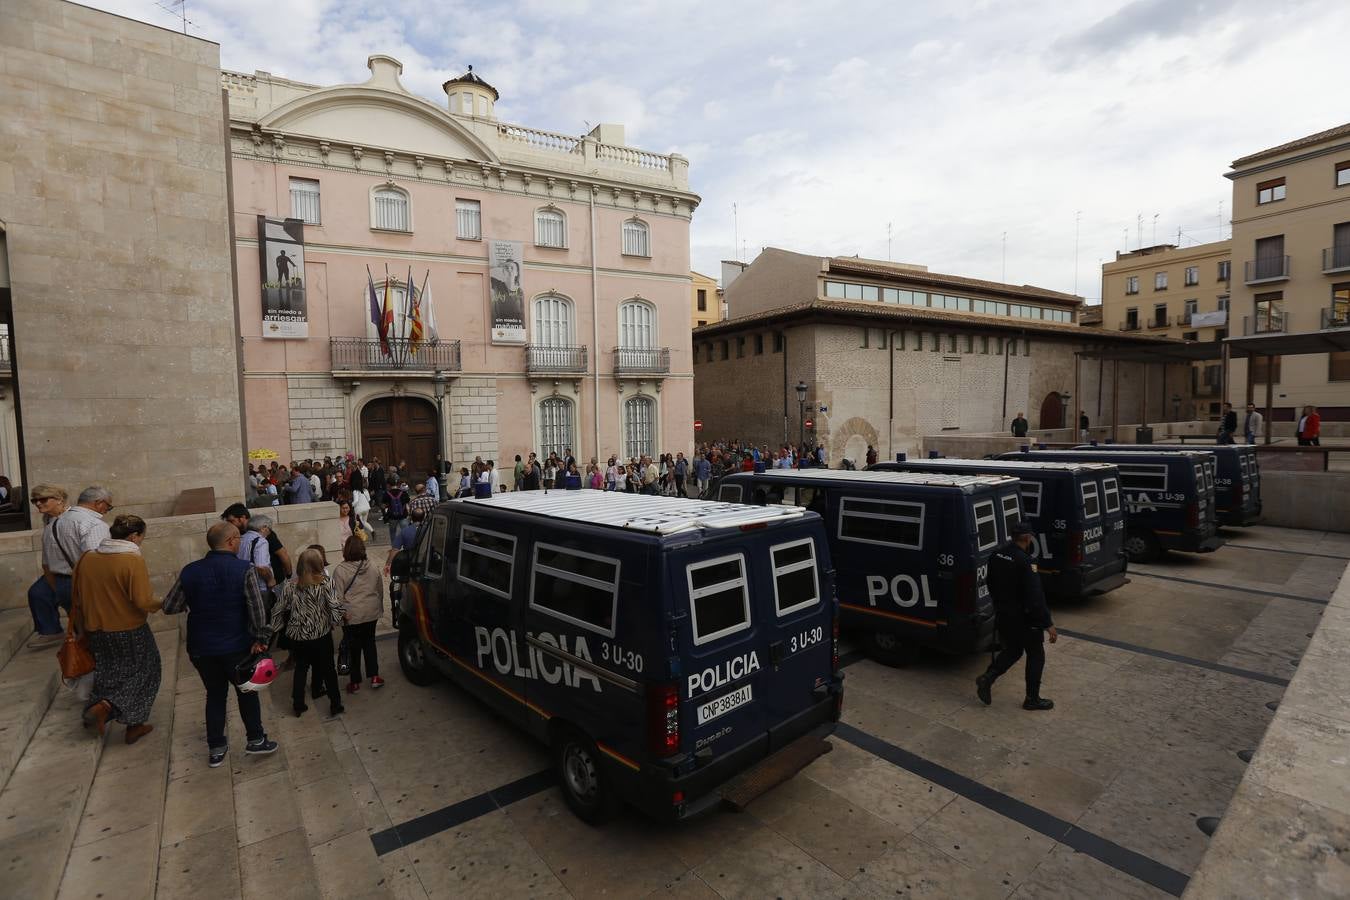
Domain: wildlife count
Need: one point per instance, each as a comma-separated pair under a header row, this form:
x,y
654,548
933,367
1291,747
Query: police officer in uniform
x,y
1021,617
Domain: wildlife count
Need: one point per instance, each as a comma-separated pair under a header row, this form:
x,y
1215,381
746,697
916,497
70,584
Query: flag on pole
x,y
416,333
374,300
387,317
408,307
428,310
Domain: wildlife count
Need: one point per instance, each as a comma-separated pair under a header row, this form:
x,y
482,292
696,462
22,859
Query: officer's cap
x,y
1022,528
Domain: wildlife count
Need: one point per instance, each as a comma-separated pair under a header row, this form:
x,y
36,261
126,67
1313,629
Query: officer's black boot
x,y
1038,703
982,685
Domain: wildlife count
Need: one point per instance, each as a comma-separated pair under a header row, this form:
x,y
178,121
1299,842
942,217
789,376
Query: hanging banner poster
x,y
506,263
281,263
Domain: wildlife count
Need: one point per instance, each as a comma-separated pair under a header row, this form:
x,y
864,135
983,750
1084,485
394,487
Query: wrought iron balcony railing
x,y
1336,259
394,355
1336,317
1255,271
1160,322
1130,325
1269,323
540,358
644,360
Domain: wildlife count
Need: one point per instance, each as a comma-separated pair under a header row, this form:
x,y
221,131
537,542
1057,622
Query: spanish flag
x,y
387,318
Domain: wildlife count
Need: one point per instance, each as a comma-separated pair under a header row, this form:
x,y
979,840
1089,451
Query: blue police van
x,y
1237,477
1075,508
1168,495
672,653
911,549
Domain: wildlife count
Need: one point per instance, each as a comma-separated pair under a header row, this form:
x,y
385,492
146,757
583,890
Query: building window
x,y
305,200
740,348
1338,365
468,220
550,228
636,238
392,212
1270,259
725,351
1160,281
1132,284
637,325
866,333
1012,346
1259,369
702,300
759,345
1270,191
638,418
555,425
1343,173
1340,305
1192,275
970,343
1132,319
778,342
1222,303
702,322
1270,312
984,344
1190,308
552,321
1225,269
1159,315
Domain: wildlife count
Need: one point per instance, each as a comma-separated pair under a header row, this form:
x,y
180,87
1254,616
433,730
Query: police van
x,y
660,646
911,549
1169,497
1075,509
1237,478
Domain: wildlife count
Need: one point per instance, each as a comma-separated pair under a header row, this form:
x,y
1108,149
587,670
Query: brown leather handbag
x,y
74,656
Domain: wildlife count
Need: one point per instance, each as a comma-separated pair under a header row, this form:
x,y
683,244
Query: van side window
x,y
1092,505
795,585
891,524
719,597
1011,513
986,524
1199,477
1143,477
729,493
435,565
1031,498
1112,494
486,560
580,588
1242,467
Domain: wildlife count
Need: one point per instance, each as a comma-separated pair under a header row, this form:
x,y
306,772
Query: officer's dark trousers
x,y
1016,641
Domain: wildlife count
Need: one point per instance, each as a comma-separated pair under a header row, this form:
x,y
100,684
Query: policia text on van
x,y
660,646
911,549
1077,519
1169,498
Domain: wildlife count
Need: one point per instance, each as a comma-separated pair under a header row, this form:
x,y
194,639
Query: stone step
x,y
16,627
28,682
116,850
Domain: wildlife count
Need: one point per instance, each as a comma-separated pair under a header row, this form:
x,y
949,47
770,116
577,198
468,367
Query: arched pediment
x,y
365,116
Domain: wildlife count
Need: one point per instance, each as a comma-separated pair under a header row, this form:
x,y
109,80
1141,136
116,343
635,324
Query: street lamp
x,y
1176,407
1064,399
801,411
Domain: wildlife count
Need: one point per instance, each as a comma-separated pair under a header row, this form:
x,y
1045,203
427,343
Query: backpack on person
x,y
397,508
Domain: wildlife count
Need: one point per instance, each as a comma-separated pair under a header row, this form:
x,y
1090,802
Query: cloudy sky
x,y
827,124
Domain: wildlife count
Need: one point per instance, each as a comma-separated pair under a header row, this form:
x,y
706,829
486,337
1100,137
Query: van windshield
x,y
1031,498
1111,494
1011,513
986,524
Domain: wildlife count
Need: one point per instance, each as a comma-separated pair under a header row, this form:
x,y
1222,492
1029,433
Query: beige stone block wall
x,y
171,542
116,224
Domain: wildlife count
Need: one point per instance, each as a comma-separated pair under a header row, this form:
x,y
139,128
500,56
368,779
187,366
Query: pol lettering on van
x,y
913,591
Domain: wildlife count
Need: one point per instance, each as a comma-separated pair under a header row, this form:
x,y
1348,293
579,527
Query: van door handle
x,y
776,653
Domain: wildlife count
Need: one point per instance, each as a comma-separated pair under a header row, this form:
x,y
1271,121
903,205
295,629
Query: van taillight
x,y
834,644
663,719
1075,548
1192,515
965,593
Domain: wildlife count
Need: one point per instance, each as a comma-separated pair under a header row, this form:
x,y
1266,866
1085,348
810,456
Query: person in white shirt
x,y
434,487
315,485
494,478
81,528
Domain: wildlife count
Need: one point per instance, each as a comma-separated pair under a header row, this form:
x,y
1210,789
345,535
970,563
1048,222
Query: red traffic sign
x,y
810,423
698,424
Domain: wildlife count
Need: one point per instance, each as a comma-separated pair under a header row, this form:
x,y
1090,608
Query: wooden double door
x,y
397,429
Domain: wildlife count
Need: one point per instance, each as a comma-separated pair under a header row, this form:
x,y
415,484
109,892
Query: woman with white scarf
x,y
110,601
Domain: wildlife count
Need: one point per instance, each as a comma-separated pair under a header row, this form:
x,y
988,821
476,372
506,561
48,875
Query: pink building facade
x,y
550,275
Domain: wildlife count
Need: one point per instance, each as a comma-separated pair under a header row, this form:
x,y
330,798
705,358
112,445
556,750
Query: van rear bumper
x,y
702,788
1079,582
1190,543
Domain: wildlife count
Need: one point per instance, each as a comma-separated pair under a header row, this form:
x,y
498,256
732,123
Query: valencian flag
x,y
387,317
416,333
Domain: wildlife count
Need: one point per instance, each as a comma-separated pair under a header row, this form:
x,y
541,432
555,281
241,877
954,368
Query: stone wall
x,y
1314,500
116,223
473,420
318,415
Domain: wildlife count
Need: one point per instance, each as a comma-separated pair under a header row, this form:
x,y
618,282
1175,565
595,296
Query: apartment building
x,y
705,299
1175,292
1291,260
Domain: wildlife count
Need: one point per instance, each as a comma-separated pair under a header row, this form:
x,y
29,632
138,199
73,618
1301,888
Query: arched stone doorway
x,y
396,429
1052,411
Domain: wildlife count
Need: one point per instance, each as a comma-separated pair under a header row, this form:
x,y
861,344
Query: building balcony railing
x,y
1336,317
1160,322
641,361
1336,259
1185,318
1259,271
1272,323
395,356
1130,325
555,359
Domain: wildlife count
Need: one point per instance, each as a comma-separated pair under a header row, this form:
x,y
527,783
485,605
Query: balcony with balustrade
x,y
1265,271
1267,323
1130,325
552,360
371,357
1336,259
1336,317
641,360
1157,322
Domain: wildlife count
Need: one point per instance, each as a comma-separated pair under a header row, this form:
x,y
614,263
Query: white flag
x,y
428,310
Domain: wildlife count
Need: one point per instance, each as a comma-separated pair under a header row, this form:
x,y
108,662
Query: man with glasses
x,y
51,592
69,534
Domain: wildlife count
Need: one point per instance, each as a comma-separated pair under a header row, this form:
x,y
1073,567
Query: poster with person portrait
x,y
281,263
506,266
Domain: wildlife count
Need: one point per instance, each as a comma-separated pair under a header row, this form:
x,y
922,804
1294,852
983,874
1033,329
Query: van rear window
x,y
1011,513
883,522
986,524
578,587
486,560
719,597
1143,478
795,585
1092,504
1031,498
1111,493
729,493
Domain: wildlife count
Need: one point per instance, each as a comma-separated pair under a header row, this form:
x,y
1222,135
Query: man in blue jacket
x,y
1021,616
227,621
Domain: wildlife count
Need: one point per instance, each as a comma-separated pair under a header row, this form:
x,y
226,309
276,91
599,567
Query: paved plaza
x,y
423,792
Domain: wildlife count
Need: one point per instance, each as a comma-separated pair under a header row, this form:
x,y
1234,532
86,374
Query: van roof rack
x,y
637,512
1189,451
959,462
966,483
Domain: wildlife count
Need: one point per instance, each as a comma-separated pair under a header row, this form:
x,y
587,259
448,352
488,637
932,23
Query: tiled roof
x,y
918,315
1330,133
936,279
470,78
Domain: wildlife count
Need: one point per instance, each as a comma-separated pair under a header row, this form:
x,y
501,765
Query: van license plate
x,y
724,704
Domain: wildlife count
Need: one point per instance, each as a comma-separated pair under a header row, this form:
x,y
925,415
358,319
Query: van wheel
x,y
887,648
412,658
585,786
1141,546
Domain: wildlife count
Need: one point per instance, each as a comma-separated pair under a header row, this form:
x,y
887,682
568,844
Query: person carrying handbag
x,y
307,612
360,590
